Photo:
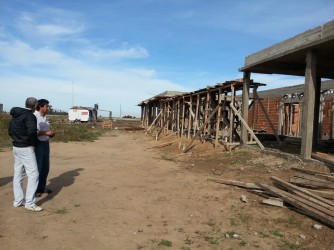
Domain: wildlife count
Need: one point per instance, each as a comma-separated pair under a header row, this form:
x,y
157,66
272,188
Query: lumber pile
x,y
310,192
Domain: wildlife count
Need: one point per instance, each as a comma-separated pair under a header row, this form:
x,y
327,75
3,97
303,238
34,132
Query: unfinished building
x,y
221,115
309,54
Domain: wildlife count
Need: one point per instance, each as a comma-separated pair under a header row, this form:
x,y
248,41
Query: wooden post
x,y
291,108
218,117
231,114
244,108
280,115
207,99
189,116
178,117
317,117
321,116
300,115
196,114
183,114
309,104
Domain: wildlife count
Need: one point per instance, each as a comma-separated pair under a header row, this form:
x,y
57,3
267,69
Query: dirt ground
x,y
126,191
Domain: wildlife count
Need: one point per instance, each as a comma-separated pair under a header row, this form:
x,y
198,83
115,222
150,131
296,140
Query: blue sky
x,y
119,52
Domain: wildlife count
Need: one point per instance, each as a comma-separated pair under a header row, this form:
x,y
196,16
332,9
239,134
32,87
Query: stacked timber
x,y
311,192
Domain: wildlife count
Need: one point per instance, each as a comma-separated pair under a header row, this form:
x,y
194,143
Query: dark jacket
x,y
23,127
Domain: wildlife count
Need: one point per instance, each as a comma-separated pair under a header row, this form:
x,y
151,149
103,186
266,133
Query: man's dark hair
x,y
31,102
41,103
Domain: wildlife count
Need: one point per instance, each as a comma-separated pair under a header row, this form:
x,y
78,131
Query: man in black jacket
x,y
23,130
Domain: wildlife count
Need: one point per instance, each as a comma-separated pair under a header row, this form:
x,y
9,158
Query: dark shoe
x,y
38,194
47,191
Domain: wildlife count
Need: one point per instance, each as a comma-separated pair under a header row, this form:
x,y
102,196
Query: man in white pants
x,y
23,130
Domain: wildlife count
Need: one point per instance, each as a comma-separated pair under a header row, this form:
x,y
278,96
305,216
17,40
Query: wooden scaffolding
x,y
212,114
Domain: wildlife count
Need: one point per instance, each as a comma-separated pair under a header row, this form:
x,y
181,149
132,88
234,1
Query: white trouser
x,y
25,164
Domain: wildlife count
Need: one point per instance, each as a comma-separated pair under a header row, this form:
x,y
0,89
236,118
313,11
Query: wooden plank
x,y
156,118
247,127
313,178
196,114
178,117
329,163
295,188
312,172
323,193
231,114
273,202
189,116
206,116
305,206
315,201
247,185
218,117
310,183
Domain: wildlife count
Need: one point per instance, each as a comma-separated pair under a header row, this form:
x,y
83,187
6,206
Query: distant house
x,y
285,109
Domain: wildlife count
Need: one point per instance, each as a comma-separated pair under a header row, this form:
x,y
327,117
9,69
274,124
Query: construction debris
x,y
307,200
273,202
237,183
243,198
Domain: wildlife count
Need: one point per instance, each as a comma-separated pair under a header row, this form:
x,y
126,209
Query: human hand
x,y
51,133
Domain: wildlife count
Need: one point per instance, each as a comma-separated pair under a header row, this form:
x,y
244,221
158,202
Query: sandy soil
x,y
123,191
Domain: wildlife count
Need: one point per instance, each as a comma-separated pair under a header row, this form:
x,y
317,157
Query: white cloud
x,y
122,53
276,81
57,30
17,52
49,25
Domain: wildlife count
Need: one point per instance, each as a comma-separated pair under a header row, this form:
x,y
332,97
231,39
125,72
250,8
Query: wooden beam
x,y
203,126
300,191
232,114
247,127
218,118
311,183
156,118
248,185
244,108
305,206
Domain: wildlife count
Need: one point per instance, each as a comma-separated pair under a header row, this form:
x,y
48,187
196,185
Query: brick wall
x,y
271,105
260,122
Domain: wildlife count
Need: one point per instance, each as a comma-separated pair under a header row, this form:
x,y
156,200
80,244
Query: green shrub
x,y
65,132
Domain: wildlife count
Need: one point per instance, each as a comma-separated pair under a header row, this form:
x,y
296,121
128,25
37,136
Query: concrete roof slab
x,y
289,57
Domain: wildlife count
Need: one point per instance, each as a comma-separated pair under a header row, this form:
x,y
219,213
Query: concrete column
x,y
245,101
309,105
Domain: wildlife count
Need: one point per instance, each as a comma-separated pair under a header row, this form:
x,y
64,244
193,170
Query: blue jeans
x,y
42,152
